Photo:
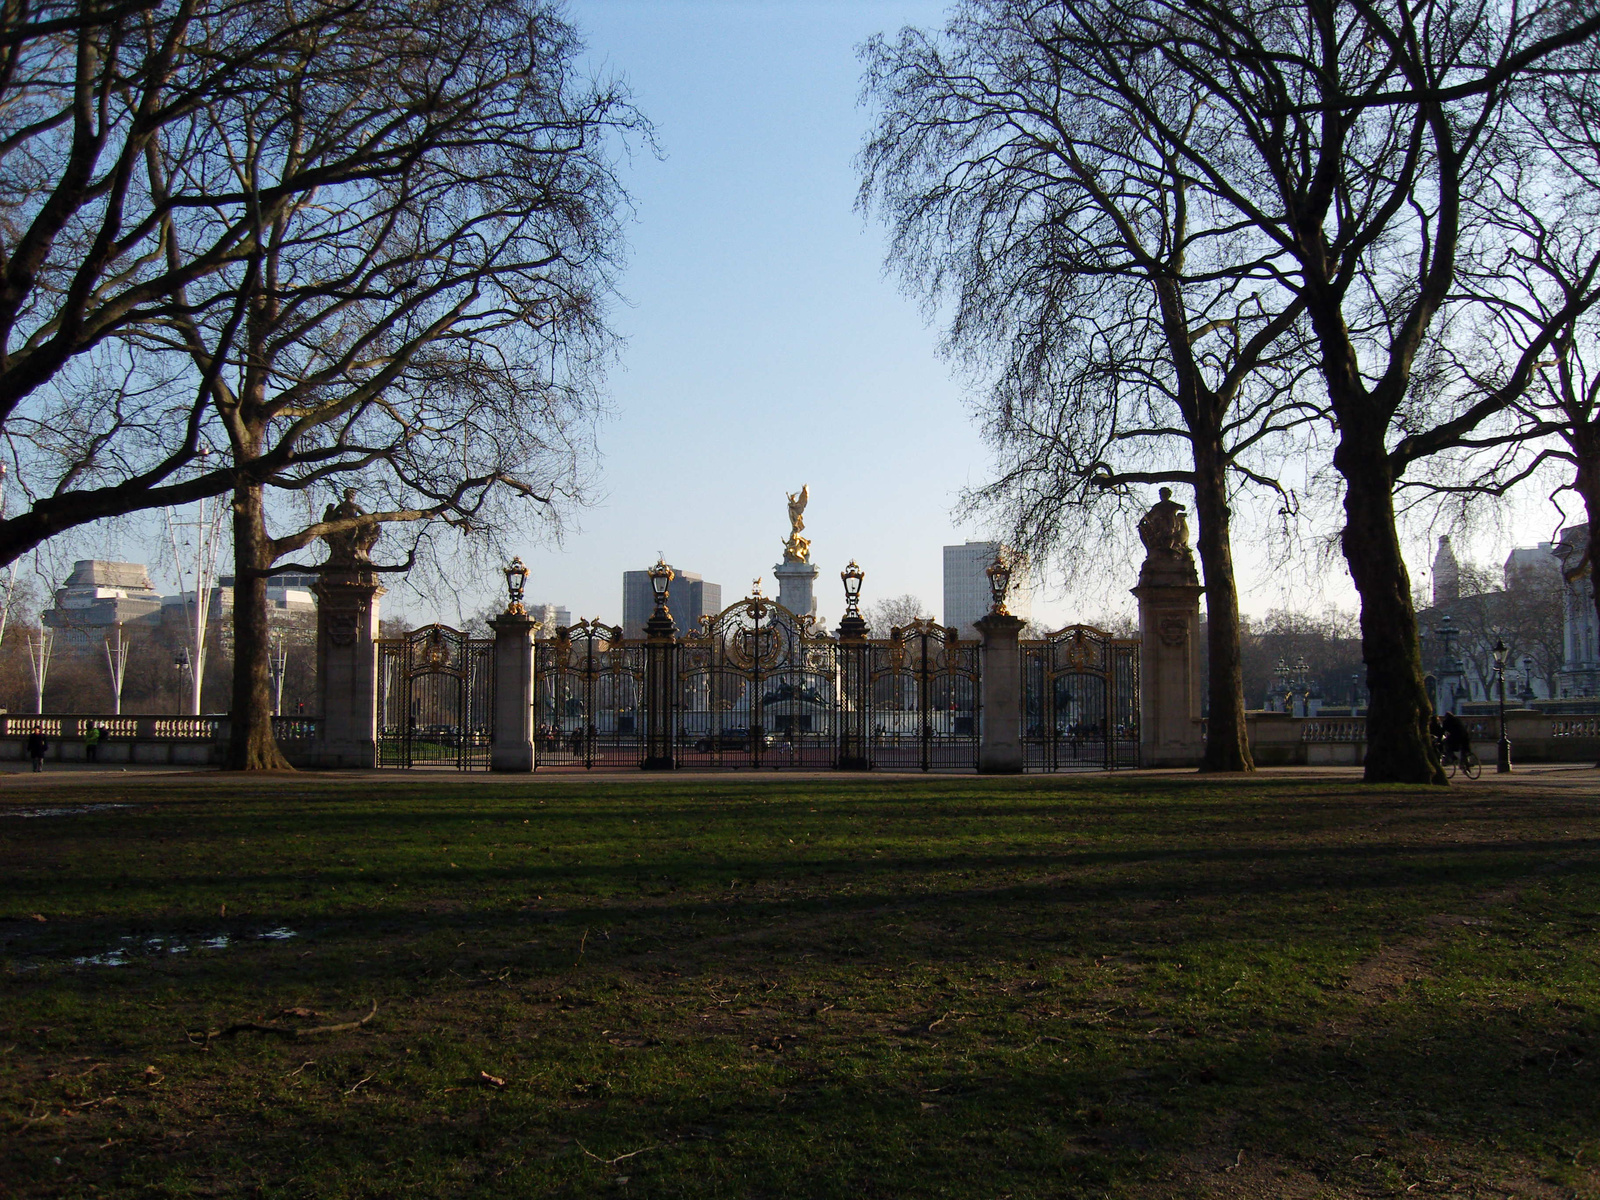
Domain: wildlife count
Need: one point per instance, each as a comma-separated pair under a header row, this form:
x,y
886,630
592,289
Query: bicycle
x,y
1470,765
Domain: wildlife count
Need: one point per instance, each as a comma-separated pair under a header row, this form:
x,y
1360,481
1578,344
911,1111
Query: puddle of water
x,y
59,812
131,949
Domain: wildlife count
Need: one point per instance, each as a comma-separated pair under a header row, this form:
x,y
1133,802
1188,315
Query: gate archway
x,y
1080,701
436,699
756,686
588,697
923,689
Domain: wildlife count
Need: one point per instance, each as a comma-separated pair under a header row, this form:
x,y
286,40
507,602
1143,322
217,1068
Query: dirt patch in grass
x,y
1151,985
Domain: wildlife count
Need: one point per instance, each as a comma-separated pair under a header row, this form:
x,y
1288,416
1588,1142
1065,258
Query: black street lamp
x,y
855,676
660,673
1503,760
1527,681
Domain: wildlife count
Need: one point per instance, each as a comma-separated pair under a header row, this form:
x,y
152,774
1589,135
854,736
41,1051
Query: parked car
x,y
732,739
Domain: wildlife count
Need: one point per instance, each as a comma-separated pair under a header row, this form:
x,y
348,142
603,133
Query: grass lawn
x,y
1149,985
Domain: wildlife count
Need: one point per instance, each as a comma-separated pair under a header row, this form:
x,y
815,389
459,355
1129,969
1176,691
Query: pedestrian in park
x,y
91,743
36,748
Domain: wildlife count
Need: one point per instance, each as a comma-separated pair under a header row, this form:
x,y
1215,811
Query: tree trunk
x,y
1586,449
1399,746
253,747
1227,736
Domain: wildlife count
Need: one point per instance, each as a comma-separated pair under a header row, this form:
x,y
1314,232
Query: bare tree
x,y
1537,270
1358,134
894,611
1130,328
429,325
94,98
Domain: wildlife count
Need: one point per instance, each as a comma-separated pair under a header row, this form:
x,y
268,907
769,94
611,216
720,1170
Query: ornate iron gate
x,y
589,697
1080,701
436,699
756,686
923,699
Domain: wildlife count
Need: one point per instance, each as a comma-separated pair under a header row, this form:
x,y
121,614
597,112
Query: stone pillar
x,y
1000,743
1169,591
347,669
796,587
511,747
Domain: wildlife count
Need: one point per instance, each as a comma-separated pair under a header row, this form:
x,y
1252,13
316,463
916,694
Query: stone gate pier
x,y
1169,591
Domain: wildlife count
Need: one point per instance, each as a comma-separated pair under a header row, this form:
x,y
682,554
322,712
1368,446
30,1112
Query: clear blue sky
x,y
765,348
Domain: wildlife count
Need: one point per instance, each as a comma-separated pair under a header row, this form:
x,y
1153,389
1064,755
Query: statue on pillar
x,y
797,549
1164,530
350,549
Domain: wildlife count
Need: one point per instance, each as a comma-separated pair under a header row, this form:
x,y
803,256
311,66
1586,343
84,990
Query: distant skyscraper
x,y
966,587
688,599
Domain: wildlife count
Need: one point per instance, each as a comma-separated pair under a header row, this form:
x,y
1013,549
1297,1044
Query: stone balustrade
x,y
146,740
1277,739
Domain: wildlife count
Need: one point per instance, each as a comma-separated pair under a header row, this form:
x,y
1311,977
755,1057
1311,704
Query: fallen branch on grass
x,y
291,1031
611,1162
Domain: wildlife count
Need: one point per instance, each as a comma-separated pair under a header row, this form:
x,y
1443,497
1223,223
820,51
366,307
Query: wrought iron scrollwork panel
x,y
589,695
435,699
1080,701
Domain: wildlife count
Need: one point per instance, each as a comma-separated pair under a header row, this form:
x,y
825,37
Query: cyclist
x,y
1457,742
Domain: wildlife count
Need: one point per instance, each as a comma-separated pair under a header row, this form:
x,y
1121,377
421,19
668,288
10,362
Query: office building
x,y
688,599
966,587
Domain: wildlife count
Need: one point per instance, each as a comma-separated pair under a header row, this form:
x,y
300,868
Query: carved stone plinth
x,y
1170,733
347,670
511,746
1000,739
796,584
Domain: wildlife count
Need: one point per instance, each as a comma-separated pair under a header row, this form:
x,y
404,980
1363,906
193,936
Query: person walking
x,y
91,743
36,748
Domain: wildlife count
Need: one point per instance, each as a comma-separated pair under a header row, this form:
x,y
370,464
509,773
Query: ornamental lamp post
x,y
852,576
660,748
1527,681
852,624
1503,760
516,582
661,577
999,573
855,752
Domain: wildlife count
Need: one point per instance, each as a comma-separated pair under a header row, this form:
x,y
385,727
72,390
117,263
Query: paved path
x,y
1543,778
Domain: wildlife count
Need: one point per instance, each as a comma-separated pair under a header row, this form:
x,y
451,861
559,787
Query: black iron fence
x,y
757,687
